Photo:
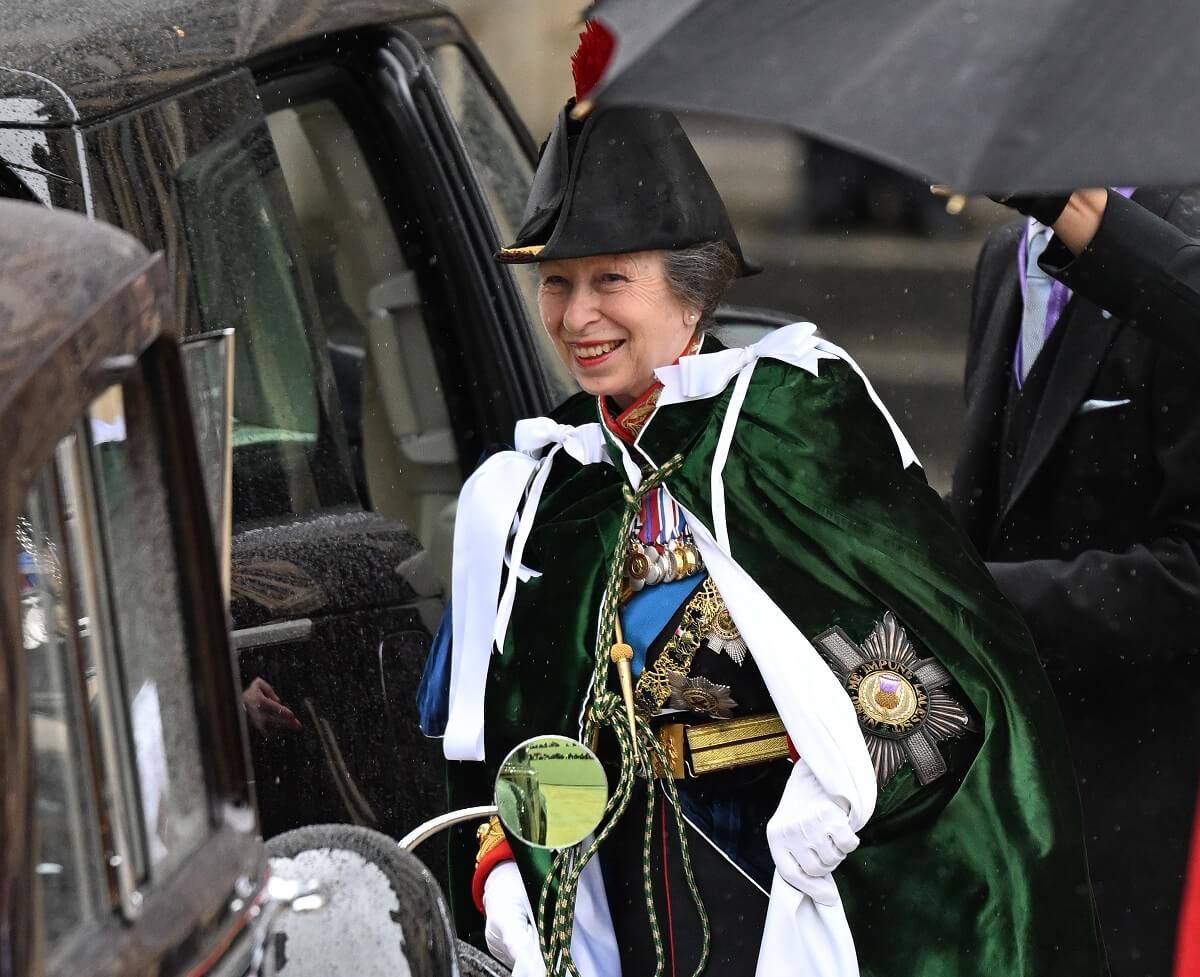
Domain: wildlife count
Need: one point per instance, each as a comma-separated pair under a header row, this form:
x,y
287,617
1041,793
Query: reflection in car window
x,y
135,523
67,851
505,173
285,461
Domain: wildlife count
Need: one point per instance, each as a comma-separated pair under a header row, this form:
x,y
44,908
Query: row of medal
x,y
647,565
661,549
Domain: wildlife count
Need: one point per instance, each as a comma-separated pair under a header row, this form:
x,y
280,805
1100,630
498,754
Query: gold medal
x,y
686,566
636,563
691,559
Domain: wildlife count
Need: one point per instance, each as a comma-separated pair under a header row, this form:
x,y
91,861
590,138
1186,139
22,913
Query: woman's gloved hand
x,y
809,834
511,936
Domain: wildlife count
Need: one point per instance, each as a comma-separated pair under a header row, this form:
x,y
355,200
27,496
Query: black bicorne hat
x,y
626,179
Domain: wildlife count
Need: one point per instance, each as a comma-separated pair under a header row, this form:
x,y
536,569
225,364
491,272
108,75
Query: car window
x,y
140,568
393,399
120,786
289,457
505,174
67,866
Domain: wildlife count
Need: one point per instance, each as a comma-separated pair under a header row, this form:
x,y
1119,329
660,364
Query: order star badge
x,y
904,706
695,693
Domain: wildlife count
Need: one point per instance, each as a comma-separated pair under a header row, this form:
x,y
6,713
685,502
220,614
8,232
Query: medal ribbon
x,y
646,529
659,519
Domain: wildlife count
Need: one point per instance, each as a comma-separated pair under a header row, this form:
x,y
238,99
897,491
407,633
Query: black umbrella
x,y
983,95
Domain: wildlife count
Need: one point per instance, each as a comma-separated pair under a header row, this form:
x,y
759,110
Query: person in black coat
x,y
1079,482
1127,259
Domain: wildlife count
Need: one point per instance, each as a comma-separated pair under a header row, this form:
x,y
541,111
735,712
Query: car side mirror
x,y
551,792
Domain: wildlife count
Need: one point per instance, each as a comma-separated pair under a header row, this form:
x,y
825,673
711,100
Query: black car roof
x,y
63,61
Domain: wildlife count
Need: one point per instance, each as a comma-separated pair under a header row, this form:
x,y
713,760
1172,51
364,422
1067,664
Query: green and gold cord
x,y
606,709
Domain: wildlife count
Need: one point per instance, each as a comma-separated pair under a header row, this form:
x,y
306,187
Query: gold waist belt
x,y
694,750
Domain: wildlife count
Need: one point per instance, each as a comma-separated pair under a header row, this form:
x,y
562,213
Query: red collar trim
x,y
628,424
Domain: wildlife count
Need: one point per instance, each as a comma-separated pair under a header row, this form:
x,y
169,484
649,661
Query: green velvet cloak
x,y
980,873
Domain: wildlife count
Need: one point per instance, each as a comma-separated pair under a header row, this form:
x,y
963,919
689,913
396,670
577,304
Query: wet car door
x,y
333,593
430,340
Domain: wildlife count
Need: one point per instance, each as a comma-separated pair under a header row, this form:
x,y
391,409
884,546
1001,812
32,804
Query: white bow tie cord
x,y
487,518
700,377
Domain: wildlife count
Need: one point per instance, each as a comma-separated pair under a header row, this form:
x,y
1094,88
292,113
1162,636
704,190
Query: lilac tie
x,y
1037,302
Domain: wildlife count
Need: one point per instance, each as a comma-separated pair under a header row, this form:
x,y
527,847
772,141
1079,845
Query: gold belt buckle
x,y
671,736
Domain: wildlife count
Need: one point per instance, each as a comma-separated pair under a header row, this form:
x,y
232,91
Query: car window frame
x,y
431,106
434,32
143,922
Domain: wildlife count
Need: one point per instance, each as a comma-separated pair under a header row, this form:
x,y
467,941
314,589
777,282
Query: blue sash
x,y
433,694
650,610
642,620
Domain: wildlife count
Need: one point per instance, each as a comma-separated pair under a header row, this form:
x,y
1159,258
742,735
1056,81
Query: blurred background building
x,y
867,254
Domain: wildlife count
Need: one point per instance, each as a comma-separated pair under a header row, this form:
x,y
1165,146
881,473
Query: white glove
x,y
809,834
511,936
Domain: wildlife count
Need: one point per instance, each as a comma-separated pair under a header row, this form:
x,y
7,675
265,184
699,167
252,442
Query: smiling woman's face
x,y
614,320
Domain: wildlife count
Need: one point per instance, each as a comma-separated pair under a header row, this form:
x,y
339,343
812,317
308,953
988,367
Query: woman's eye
x,y
612,278
554,281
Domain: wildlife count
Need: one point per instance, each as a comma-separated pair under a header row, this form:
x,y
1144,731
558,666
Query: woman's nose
x,y
581,310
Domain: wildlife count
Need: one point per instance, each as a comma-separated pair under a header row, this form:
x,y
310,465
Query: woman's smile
x,y
592,354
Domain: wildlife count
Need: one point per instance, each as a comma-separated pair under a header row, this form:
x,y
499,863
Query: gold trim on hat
x,y
529,251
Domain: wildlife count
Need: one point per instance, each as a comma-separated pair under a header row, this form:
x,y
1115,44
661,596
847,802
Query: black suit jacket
x,y
1084,497
1141,268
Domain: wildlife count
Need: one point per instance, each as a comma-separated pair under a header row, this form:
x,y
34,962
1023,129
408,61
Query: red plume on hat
x,y
591,58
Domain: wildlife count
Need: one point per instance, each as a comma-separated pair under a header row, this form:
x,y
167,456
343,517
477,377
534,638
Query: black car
x,y
130,842
330,181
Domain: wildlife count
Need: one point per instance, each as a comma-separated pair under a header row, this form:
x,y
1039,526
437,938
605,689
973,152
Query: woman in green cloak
x,y
845,757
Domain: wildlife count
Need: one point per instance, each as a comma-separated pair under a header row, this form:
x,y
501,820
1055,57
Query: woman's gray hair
x,y
700,275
